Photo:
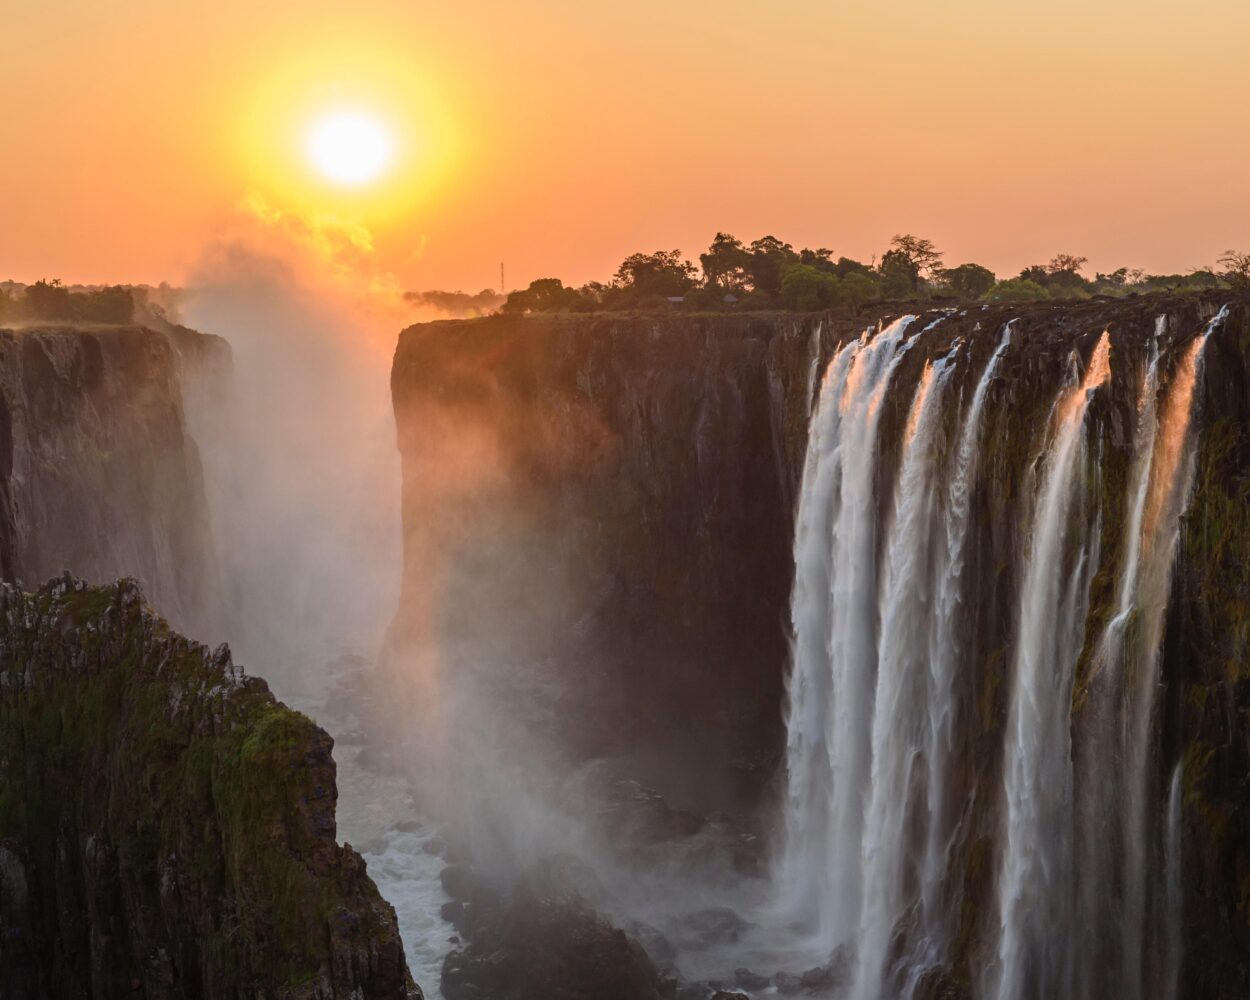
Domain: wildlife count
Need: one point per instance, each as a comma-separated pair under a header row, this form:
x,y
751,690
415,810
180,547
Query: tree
x,y
1066,263
768,258
1017,290
543,295
805,288
924,257
860,287
48,300
821,259
663,273
900,275
970,281
725,263
846,266
1235,268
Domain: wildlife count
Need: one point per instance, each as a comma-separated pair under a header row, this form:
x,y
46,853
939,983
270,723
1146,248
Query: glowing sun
x,y
349,147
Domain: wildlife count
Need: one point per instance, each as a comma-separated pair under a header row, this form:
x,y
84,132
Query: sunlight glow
x,y
349,147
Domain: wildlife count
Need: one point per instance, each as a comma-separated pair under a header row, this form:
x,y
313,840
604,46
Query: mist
x,y
300,463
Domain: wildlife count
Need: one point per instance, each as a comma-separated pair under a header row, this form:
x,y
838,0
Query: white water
x,y
945,653
1175,896
1034,896
1171,483
900,720
834,619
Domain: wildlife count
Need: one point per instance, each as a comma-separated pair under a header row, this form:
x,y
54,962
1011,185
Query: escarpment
x,y
612,500
167,828
97,471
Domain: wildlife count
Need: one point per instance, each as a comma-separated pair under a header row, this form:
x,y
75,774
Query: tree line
x,y
769,274
51,301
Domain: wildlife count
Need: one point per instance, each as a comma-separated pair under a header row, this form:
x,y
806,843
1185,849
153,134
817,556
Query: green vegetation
x,y
49,301
769,274
174,769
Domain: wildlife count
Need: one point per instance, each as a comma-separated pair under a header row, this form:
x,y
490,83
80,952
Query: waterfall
x,y
1174,897
1081,869
944,659
1034,907
835,637
900,716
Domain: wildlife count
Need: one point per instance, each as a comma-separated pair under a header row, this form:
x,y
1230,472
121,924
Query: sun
x,y
351,148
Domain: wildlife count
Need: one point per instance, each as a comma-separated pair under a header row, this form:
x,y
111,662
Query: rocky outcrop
x,y
167,828
616,494
537,939
97,472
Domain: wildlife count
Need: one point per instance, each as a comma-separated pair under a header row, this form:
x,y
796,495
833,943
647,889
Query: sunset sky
x,y
560,135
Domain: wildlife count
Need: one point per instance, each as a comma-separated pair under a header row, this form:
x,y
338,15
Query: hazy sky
x,y
560,135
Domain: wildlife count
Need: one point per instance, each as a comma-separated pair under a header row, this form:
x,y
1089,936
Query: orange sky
x,y
560,135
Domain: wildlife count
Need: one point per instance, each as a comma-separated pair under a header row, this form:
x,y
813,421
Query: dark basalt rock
x,y
97,470
532,943
651,463
167,828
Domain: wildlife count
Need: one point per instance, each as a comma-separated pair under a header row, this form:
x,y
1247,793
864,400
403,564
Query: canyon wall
x,y
608,503
97,472
166,826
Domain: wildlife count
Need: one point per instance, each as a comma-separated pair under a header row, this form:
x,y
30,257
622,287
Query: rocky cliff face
x,y
614,497
97,473
167,828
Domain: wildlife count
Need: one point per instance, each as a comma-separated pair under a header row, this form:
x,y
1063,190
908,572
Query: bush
x,y
806,289
1016,290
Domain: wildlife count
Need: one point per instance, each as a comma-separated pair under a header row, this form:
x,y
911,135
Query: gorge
x,y
1013,709
881,655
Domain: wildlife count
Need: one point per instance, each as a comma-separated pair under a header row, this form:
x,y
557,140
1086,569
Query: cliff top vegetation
x,y
769,274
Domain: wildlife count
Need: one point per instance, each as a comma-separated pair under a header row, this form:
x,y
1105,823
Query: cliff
x,y
614,497
97,472
166,826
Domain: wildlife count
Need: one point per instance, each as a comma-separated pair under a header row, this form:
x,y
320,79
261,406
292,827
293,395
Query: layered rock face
x,y
97,473
167,828
615,498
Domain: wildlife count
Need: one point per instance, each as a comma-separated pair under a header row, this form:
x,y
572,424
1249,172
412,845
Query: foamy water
x,y
376,815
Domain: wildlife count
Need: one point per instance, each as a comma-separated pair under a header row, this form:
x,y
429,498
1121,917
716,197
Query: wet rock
x,y
460,881
524,946
749,980
705,928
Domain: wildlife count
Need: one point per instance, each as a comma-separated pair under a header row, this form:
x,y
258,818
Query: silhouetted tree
x,y
662,273
969,281
48,299
924,257
542,295
725,263
900,275
1235,268
1065,263
769,257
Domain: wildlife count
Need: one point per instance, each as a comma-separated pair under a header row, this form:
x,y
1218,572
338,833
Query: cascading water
x,y
1083,880
835,630
1034,904
944,657
900,719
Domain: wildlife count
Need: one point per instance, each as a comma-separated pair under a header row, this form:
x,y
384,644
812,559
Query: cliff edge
x,y
166,826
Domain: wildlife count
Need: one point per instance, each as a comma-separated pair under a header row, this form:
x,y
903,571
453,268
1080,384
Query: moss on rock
x,y
166,825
